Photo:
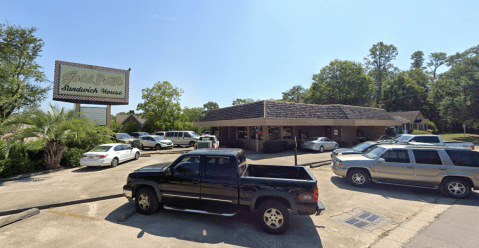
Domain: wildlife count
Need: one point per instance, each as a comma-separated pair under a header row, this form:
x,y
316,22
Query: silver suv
x,y
454,171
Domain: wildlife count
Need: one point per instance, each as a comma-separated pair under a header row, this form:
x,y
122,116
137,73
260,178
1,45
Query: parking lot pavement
x,y
72,184
397,215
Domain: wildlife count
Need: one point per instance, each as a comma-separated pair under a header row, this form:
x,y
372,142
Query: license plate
x,y
90,157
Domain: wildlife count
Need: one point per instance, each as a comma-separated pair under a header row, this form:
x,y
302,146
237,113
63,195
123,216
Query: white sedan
x,y
109,154
319,144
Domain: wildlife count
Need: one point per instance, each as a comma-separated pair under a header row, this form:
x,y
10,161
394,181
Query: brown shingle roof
x,y
121,118
278,109
409,115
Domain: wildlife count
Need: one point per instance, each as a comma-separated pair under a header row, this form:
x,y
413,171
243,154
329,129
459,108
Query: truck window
x,y
396,156
427,157
189,166
187,135
430,139
218,167
464,158
169,134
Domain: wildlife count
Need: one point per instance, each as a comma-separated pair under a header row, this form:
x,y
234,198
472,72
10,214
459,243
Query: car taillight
x,y
315,194
214,146
340,165
472,147
100,156
84,156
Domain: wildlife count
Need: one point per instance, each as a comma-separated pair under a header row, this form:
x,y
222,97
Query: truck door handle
x,y
195,182
442,169
409,167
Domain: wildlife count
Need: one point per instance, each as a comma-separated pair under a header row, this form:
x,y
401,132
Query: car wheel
x,y
114,162
145,201
336,147
321,149
137,155
359,178
141,147
273,217
158,147
192,144
457,188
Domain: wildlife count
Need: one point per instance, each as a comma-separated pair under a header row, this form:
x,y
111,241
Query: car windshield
x,y
159,138
123,136
193,134
312,139
362,146
374,153
402,138
101,149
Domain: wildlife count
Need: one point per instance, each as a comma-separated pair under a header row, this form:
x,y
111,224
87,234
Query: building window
x,y
256,130
242,133
287,132
273,133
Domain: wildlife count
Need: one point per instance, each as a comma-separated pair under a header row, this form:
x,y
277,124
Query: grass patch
x,y
420,132
474,138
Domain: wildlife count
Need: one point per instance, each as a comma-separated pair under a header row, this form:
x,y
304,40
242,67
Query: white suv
x,y
155,141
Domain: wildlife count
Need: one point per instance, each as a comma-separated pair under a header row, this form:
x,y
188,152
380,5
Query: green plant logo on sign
x,y
87,82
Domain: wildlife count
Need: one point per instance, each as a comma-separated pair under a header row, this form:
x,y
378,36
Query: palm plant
x,y
53,127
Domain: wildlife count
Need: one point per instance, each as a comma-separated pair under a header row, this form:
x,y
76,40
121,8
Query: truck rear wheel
x,y
273,217
192,143
455,187
145,201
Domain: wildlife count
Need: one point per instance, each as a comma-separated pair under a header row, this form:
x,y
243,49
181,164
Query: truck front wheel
x,y
145,201
358,178
273,217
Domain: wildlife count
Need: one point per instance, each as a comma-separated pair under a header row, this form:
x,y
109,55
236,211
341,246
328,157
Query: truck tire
x,y
359,178
158,147
192,143
141,147
273,217
456,188
145,201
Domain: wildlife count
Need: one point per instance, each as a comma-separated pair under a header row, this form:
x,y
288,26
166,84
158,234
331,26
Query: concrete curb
x,y
23,215
126,214
31,174
61,204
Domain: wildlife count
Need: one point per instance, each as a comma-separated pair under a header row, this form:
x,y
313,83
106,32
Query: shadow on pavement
x,y
258,156
91,169
240,230
407,193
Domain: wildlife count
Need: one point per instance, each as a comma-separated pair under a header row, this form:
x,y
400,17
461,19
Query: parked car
x,y
208,141
432,140
359,148
137,135
182,138
109,154
156,142
227,183
319,144
161,133
454,171
206,133
126,139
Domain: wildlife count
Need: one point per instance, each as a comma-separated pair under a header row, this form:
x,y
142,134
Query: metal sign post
x,y
295,152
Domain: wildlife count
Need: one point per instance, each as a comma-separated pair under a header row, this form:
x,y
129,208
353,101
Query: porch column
x,y
280,132
265,133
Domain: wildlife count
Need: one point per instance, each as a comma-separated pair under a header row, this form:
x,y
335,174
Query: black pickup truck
x,y
220,182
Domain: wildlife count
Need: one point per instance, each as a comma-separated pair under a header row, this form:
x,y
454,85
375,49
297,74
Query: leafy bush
x,y
274,146
72,157
431,125
88,136
23,157
131,127
235,144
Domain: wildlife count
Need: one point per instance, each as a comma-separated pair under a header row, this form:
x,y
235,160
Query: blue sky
x,y
222,50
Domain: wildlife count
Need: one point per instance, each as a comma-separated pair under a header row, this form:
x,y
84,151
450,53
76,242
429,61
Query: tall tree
x,y
20,76
341,82
417,60
401,93
379,61
295,94
455,93
436,60
161,106
239,101
193,114
210,106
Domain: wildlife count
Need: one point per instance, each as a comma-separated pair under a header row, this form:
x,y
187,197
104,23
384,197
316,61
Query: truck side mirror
x,y
381,160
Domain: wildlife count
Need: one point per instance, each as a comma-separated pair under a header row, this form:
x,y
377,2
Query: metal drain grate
x,y
364,219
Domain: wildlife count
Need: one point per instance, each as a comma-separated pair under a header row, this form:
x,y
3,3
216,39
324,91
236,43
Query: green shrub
x,y
274,146
72,157
88,136
235,144
431,125
23,157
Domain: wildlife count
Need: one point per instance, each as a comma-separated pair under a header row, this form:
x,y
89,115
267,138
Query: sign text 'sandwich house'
x,y
81,83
